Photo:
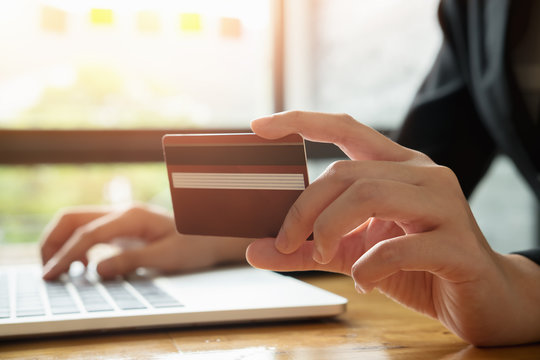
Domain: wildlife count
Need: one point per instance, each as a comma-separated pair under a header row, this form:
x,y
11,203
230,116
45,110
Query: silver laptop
x,y
80,302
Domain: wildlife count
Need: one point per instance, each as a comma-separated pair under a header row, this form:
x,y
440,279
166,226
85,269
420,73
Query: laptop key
x,y
90,296
27,296
60,300
122,297
30,312
154,295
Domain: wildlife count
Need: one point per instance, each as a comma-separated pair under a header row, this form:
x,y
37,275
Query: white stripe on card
x,y
183,180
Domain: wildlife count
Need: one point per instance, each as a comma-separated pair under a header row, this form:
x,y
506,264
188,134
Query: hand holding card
x,y
233,184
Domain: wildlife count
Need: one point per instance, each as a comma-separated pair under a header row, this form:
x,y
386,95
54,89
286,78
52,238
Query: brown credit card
x,y
237,185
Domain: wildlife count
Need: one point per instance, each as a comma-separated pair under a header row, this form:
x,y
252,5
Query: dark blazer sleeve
x,y
443,121
532,254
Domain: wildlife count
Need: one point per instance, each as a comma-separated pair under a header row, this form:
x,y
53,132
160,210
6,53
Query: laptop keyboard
x,y
29,296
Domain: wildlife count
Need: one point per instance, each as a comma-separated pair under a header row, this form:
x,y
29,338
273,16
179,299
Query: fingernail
x,y
359,289
317,256
47,269
281,242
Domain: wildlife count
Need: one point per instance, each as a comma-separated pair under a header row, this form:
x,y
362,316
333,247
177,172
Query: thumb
x,y
263,254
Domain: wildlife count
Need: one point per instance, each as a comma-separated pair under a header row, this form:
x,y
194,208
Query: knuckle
x,y
349,125
65,217
445,172
294,114
366,190
338,170
386,253
347,118
136,210
444,175
420,157
85,235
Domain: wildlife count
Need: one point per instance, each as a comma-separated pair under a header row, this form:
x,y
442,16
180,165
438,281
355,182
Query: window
x,y
366,58
90,81
126,64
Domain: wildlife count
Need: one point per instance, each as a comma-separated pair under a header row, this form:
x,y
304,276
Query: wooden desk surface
x,y
373,327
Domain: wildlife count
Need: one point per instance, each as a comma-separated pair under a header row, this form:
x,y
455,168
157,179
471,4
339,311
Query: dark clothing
x,y
469,107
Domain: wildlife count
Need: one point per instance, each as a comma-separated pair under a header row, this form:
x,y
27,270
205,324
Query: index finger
x,y
358,141
61,228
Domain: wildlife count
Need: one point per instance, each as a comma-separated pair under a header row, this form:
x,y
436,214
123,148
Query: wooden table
x,y
373,327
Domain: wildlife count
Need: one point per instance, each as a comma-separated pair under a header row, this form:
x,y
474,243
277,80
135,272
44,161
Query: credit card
x,y
237,185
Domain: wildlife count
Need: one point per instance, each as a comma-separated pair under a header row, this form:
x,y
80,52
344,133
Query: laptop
x,y
80,302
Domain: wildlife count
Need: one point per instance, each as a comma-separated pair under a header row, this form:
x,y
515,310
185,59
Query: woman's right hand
x,y
394,220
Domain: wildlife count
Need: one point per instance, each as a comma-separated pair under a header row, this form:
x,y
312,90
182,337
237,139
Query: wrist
x,y
524,277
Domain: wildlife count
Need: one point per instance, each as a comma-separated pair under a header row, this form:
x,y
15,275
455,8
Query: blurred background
x,y
83,76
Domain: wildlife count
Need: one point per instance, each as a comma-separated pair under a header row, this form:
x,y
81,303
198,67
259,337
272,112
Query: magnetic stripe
x,y
237,181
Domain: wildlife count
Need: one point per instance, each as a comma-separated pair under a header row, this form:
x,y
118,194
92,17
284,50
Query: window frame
x,y
39,146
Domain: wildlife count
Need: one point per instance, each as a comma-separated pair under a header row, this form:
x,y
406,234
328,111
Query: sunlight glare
x,y
250,12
